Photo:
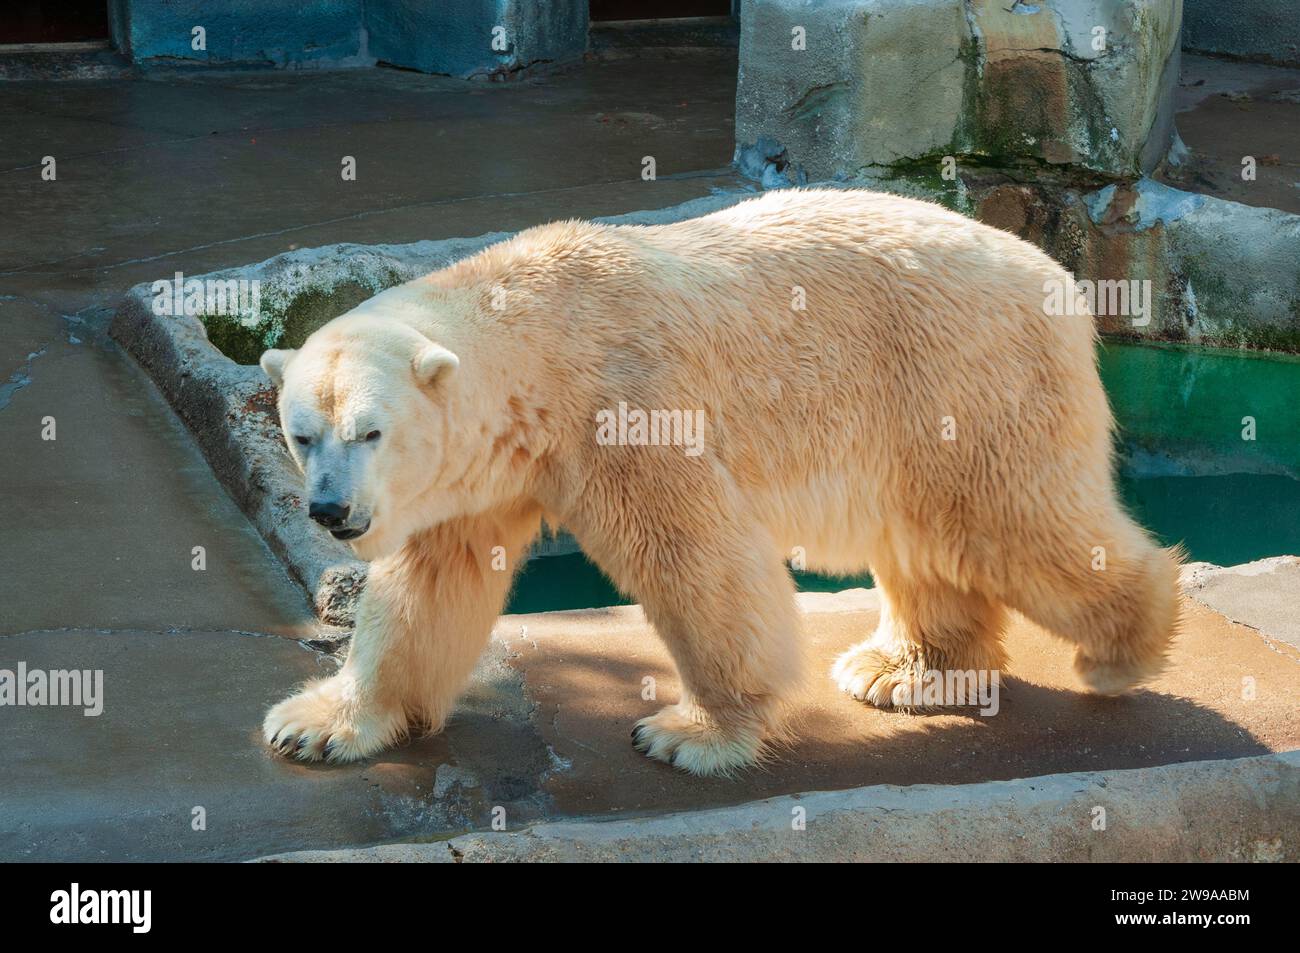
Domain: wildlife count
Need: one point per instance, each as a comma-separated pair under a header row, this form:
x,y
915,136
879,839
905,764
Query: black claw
x,y
274,738
329,749
301,742
636,734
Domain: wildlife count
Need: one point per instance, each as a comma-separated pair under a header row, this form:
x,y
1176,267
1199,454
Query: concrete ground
x,y
193,171
542,734
1229,110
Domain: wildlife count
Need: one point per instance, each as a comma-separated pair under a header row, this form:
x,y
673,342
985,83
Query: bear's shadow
x,y
585,715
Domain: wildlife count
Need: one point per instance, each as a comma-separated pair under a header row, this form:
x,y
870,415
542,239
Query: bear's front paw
x,y
323,722
684,737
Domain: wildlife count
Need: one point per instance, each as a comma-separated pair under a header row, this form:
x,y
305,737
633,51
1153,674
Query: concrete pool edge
x,y
1241,809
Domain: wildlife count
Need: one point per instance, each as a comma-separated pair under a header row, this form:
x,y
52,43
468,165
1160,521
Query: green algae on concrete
x,y
301,292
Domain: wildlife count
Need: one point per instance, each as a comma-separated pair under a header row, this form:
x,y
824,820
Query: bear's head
x,y
366,407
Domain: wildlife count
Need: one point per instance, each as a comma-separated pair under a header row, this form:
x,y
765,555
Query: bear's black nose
x,y
329,514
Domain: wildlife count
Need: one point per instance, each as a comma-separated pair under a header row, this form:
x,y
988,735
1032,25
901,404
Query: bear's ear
x,y
433,363
273,364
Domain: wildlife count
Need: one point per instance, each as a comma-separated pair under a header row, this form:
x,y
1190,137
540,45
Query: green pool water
x,y
1185,471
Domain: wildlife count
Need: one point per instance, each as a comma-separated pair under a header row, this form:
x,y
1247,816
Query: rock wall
x,y
862,86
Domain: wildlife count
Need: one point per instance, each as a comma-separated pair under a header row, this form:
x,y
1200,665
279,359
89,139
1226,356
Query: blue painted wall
x,y
452,36
437,36
277,32
455,36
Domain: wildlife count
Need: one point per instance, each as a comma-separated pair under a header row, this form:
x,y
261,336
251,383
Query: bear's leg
x,y
1114,594
720,597
422,622
924,628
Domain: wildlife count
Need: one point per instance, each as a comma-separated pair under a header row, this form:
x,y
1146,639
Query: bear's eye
x,y
372,436
303,441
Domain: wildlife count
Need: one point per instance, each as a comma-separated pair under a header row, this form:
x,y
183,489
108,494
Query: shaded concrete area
x,y
1228,110
210,170
102,522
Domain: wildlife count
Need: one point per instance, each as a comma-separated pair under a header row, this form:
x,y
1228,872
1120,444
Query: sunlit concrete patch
x,y
593,673
1200,765
1264,595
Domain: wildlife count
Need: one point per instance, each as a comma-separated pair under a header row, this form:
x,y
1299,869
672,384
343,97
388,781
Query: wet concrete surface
x,y
102,522
209,170
179,731
1229,110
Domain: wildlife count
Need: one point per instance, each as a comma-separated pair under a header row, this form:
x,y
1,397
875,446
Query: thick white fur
x,y
824,431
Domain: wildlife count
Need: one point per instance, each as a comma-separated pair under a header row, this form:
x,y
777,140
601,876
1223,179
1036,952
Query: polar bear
x,y
878,381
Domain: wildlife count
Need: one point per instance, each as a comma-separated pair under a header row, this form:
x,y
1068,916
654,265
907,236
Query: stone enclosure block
x,y
870,87
1202,289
